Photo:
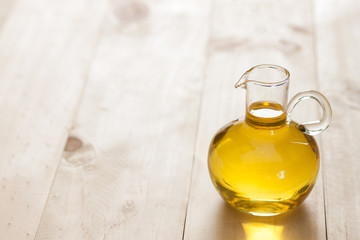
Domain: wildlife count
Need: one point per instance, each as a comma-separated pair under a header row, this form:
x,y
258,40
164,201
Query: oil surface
x,y
262,165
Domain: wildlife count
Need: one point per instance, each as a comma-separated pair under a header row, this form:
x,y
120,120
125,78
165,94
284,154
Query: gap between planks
x,y
316,69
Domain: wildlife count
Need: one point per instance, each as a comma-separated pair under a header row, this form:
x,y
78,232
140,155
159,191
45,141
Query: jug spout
x,y
241,83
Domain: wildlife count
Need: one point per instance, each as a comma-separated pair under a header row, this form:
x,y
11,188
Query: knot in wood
x,y
73,144
132,12
77,153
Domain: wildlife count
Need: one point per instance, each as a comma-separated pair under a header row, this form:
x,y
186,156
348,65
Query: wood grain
x,y
45,47
125,172
338,52
243,34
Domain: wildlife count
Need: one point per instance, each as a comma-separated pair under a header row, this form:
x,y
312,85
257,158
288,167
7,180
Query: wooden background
x,y
107,109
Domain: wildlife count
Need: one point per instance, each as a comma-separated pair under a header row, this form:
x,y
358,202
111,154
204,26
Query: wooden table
x,y
107,109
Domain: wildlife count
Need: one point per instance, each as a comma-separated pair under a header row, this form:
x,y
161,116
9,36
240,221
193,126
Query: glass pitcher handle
x,y
312,128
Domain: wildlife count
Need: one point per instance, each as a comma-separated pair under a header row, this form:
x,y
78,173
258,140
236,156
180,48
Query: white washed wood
x,y
338,51
6,7
45,47
243,34
137,122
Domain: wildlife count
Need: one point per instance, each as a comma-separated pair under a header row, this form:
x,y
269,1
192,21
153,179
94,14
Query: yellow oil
x,y
263,166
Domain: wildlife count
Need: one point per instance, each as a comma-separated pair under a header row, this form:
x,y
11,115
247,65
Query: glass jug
x,y
267,164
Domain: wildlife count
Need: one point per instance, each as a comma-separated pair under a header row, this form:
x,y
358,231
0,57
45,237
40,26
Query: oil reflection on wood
x,y
296,225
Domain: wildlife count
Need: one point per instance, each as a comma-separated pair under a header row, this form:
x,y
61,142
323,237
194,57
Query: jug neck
x,y
266,95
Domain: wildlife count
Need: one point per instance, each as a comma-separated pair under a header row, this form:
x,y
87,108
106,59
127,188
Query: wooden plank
x,y
243,34
125,173
338,36
45,47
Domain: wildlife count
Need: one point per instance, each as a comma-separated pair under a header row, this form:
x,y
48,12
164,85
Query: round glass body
x,y
265,169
